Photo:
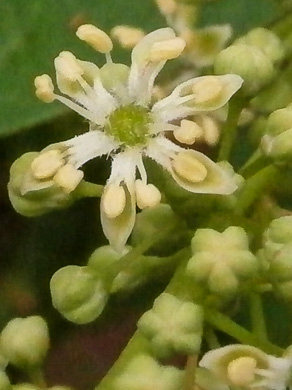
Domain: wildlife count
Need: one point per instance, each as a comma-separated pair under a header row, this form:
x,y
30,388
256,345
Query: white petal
x,y
87,146
143,72
183,102
117,230
217,180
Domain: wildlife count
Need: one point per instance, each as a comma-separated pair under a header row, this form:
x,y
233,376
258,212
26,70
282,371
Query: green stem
x,y
228,326
255,186
211,338
255,163
257,317
190,372
87,189
236,105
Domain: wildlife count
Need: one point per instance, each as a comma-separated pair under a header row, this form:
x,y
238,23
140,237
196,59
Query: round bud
x,y
25,341
78,294
250,63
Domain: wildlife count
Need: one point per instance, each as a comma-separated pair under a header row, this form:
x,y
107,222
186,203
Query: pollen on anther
x,y
67,65
95,37
44,88
113,200
189,168
188,132
68,177
166,7
206,89
47,164
147,195
167,49
128,37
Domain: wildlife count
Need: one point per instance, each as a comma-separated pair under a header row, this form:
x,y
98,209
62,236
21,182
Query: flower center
x,y
129,124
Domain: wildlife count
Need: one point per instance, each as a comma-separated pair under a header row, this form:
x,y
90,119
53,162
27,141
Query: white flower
x,y
248,367
126,125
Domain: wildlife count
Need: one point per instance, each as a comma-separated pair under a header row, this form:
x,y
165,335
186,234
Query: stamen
x,y
68,177
189,168
241,371
44,88
166,50
95,37
188,132
113,200
209,88
147,195
128,37
166,7
47,164
66,65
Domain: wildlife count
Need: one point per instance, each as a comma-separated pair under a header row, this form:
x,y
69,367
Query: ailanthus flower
x,y
125,124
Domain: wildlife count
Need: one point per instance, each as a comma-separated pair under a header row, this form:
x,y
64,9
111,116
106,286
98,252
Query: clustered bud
x,y
221,261
173,326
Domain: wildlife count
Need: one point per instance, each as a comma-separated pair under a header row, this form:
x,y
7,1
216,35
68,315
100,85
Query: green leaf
x,y
32,33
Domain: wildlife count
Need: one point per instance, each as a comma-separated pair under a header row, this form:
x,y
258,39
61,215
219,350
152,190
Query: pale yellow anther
x,y
128,37
207,89
44,88
113,200
211,131
188,132
68,177
147,195
95,37
67,65
241,371
166,7
166,50
189,168
47,164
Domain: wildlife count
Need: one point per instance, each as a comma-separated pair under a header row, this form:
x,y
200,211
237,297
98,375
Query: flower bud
x,y
221,261
265,40
168,333
250,63
143,372
32,197
104,263
278,148
78,294
25,341
279,121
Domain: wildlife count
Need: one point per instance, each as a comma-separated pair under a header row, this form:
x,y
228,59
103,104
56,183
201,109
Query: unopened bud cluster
x,y
276,255
221,262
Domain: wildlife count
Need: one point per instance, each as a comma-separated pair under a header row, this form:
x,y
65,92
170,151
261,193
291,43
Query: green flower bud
x,y
279,121
266,41
25,341
278,148
31,197
173,326
276,255
221,261
250,63
143,372
104,261
4,381
151,221
78,294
